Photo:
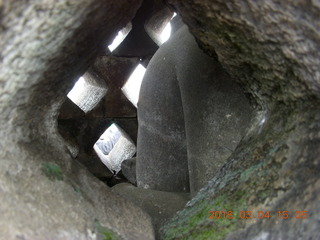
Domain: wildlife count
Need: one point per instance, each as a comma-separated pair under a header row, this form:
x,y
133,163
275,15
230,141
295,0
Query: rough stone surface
x,y
158,21
84,132
276,168
138,43
161,145
270,47
161,206
123,149
44,193
214,113
69,110
94,89
128,168
115,72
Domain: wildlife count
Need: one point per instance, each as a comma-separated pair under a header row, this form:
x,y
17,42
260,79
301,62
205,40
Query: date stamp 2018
x,y
257,214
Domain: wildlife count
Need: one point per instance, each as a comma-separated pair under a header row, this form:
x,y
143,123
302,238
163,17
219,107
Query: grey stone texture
x,y
82,133
273,44
161,206
114,71
123,149
184,91
138,43
161,145
270,48
128,168
69,110
94,89
154,26
45,194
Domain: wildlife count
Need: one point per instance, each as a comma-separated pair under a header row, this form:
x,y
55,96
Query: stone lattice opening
x,y
270,48
131,88
113,147
120,37
166,32
87,94
165,35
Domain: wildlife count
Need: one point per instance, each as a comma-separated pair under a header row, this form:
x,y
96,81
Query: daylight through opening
x,y
113,147
122,34
85,95
131,89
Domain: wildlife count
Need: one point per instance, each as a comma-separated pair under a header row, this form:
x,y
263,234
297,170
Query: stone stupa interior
x,y
223,142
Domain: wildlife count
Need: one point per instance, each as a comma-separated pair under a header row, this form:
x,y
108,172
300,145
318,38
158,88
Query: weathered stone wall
x,y
44,193
192,115
270,48
82,130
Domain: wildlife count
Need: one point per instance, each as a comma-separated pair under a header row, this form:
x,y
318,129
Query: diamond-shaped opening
x,y
159,28
87,92
131,88
122,34
113,147
166,32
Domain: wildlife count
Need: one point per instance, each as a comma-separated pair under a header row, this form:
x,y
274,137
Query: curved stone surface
x,y
214,113
271,49
128,168
161,206
161,145
44,193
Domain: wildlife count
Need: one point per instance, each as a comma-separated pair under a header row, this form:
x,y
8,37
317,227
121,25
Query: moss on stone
x,y
76,188
194,223
52,171
247,181
247,174
104,233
